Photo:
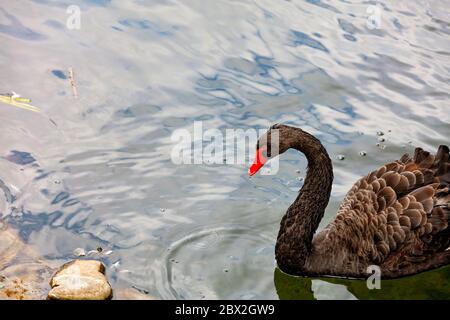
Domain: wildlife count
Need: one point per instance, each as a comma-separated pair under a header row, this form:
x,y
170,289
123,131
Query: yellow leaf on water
x,y
24,100
19,104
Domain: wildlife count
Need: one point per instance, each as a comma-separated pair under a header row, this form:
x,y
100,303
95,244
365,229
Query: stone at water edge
x,y
23,274
80,280
131,294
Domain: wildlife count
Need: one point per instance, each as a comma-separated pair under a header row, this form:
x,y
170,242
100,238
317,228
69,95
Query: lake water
x,y
96,170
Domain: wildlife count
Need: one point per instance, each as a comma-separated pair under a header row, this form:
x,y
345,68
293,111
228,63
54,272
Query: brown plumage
x,y
396,217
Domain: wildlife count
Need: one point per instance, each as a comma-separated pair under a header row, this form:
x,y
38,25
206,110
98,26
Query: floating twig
x,y
73,83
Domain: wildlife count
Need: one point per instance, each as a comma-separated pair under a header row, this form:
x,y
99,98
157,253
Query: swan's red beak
x,y
260,160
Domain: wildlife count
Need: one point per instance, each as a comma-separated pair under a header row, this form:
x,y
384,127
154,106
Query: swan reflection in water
x,y
424,286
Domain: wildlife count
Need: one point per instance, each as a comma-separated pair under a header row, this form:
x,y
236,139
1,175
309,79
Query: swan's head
x,y
271,144
280,138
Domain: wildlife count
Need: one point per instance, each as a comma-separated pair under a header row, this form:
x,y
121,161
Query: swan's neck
x,y
302,219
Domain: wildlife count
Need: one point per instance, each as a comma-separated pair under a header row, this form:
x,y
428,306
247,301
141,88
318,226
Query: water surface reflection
x,y
100,174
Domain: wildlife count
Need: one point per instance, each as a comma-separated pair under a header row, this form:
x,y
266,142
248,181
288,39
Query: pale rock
x,y
80,280
131,294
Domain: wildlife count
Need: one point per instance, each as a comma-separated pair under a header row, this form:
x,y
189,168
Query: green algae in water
x,y
430,285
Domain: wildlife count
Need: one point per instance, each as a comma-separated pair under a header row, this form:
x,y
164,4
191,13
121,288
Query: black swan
x,y
396,217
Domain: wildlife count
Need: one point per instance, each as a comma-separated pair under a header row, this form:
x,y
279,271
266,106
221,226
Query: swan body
x,y
397,217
